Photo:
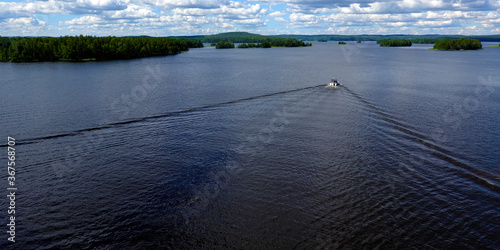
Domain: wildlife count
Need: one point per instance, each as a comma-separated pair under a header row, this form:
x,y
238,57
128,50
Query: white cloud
x,y
184,17
22,21
24,26
239,11
193,11
204,4
133,11
85,20
434,23
276,14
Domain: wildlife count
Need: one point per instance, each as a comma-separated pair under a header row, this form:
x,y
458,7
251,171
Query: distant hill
x,y
236,34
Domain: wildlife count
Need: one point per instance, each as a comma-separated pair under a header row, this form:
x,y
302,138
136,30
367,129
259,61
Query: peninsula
x,y
89,48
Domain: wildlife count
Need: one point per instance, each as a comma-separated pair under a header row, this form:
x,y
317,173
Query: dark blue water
x,y
246,148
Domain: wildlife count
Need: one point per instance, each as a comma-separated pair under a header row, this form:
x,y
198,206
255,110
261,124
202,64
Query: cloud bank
x,y
191,17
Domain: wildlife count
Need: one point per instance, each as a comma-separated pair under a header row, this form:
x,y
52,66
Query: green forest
x,y
245,37
223,45
82,48
413,38
240,37
425,40
394,42
277,43
259,41
253,45
458,44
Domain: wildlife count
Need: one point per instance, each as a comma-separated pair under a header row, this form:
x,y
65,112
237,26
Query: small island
x,y
458,44
342,43
223,45
253,45
394,43
266,44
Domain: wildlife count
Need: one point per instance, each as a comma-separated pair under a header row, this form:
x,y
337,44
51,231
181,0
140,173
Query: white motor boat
x,y
333,84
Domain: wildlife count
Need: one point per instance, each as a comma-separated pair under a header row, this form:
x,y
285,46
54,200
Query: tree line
x,y
425,40
79,48
394,42
258,41
253,45
458,44
223,45
414,38
284,43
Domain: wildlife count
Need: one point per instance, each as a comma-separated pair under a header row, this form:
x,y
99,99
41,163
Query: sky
x,y
267,17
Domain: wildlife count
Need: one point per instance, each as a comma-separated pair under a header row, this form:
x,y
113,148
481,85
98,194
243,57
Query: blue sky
x,y
192,17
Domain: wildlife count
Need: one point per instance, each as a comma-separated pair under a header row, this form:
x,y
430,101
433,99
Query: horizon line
x,y
395,34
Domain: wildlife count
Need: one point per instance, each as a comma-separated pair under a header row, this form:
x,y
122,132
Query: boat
x,y
333,84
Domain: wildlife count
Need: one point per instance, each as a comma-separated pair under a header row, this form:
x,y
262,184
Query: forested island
x,y
458,44
86,48
223,45
252,45
342,43
276,43
394,42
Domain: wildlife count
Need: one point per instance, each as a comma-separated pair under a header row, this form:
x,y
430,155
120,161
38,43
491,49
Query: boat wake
x,y
142,119
478,176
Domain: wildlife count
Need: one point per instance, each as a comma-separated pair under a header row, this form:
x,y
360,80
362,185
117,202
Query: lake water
x,y
247,149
